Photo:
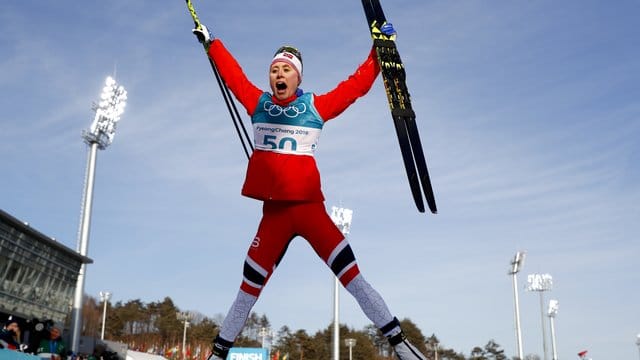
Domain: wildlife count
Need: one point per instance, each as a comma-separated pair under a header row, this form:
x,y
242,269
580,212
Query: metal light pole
x,y
350,343
100,135
638,343
104,297
265,333
184,317
342,218
434,345
336,319
552,312
516,265
541,283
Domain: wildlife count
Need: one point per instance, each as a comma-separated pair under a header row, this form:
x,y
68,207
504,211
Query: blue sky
x,y
528,114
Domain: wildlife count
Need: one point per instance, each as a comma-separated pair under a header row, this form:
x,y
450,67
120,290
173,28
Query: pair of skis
x,y
404,119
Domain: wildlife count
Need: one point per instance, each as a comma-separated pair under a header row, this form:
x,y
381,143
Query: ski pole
x,y
245,140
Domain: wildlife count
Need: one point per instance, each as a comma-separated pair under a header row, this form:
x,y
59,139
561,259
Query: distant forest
x,y
158,328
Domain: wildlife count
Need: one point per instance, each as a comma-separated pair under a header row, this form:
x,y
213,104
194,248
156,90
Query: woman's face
x,y
284,80
13,327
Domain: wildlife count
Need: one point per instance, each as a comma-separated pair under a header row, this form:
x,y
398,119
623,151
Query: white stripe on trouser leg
x,y
370,301
237,316
343,244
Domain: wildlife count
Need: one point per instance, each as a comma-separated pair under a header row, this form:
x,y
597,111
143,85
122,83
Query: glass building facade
x,y
37,274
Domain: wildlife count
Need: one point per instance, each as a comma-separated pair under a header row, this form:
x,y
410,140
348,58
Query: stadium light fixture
x,y
113,100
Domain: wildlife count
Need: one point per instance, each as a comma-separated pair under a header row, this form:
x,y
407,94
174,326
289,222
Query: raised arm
x,y
233,75
334,102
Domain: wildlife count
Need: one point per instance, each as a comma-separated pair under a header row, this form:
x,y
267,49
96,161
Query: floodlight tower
x,y
516,265
99,135
342,218
541,283
552,312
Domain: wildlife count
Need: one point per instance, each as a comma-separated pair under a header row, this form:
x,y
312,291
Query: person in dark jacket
x,y
10,336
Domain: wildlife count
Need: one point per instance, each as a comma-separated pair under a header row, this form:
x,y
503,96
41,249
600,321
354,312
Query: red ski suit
x,y
289,184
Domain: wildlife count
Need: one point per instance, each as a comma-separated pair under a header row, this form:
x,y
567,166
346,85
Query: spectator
x,y
10,336
53,345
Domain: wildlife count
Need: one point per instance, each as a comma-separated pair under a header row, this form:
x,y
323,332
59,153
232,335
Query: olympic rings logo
x,y
290,111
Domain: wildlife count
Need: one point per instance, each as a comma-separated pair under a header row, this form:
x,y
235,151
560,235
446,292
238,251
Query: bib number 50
x,y
270,141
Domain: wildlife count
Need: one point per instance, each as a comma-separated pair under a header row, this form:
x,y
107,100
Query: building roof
x,y
26,228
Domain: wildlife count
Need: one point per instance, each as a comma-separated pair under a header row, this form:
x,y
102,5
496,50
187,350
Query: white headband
x,y
290,59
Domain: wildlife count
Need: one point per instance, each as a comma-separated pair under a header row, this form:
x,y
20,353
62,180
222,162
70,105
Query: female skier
x,y
282,173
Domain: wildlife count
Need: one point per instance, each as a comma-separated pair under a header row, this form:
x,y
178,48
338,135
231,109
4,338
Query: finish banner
x,y
237,353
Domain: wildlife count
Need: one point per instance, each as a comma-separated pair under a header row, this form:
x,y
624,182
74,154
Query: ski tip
x,y
432,209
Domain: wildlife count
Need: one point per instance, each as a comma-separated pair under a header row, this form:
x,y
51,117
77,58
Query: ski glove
x,y
388,29
203,34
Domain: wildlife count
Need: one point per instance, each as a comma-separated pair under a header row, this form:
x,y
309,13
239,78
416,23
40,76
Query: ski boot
x,y
220,349
404,349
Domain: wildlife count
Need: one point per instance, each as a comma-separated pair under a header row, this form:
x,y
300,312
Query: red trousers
x,y
281,222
